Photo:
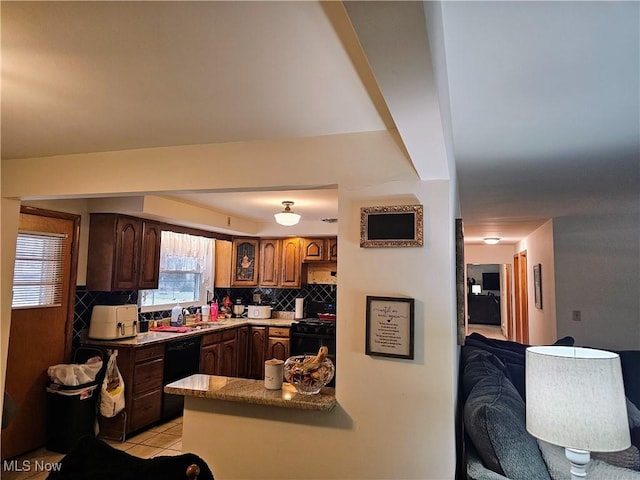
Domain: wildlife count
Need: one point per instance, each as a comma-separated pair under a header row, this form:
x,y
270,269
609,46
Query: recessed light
x,y
491,240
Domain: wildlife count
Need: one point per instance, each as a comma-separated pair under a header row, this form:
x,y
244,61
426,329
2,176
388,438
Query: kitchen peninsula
x,y
149,361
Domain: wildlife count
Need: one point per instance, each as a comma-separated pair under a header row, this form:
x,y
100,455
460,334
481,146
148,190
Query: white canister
x,y
273,370
299,313
206,311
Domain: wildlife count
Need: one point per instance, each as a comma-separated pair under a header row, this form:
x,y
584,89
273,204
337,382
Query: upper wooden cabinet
x,y
124,253
319,249
245,261
224,252
291,267
280,262
269,262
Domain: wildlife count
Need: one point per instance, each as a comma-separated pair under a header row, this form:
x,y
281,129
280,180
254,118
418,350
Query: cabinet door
x,y
257,345
210,359
242,350
269,262
332,246
245,262
313,250
227,363
145,409
278,348
224,251
291,265
150,255
127,253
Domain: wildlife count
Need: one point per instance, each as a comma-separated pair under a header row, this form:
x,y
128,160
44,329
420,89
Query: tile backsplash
x,y
282,299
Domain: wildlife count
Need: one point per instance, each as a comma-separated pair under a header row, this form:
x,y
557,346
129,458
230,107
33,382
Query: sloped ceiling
x,y
537,102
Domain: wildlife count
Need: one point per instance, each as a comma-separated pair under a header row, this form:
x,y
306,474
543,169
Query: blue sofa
x,y
496,445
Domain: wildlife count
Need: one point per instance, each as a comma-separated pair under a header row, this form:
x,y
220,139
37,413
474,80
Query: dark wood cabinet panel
x,y
333,249
210,359
124,253
278,343
150,255
242,350
257,343
148,375
145,410
227,364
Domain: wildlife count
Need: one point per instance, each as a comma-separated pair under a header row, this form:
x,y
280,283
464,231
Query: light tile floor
x,y
489,331
165,439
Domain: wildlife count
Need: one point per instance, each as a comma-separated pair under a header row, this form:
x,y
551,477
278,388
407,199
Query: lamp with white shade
x,y
576,399
287,217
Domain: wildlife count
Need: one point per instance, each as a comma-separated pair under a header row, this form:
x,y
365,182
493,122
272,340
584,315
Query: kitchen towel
x,y
299,308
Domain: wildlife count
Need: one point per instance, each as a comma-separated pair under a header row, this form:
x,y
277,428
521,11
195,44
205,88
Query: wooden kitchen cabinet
x,y
218,353
224,251
245,262
270,262
242,346
278,344
142,373
319,249
257,345
291,265
124,253
280,264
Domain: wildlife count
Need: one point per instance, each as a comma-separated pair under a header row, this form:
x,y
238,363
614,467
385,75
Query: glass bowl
x,y
308,379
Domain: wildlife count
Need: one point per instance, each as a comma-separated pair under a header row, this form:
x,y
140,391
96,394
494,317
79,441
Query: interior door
x,y
39,338
521,303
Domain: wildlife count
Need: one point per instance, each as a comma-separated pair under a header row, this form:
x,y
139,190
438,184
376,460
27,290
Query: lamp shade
x,y
575,398
287,217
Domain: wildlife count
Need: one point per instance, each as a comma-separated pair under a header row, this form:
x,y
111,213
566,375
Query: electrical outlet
x,y
576,316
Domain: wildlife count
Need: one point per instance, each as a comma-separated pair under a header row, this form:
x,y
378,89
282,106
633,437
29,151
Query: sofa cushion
x,y
512,354
559,467
494,419
630,362
628,458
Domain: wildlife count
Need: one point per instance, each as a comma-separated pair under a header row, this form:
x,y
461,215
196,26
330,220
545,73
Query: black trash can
x,y
71,410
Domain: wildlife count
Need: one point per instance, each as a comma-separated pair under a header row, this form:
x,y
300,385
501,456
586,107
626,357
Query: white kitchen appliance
x,y
258,311
110,322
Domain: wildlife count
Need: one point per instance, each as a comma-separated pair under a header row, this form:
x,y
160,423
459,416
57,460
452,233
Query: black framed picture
x,y
537,285
390,327
393,226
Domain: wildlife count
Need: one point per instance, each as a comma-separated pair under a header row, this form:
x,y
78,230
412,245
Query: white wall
x,y
403,408
539,248
597,266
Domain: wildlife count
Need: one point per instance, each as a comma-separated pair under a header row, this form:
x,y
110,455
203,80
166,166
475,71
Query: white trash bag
x,y
112,393
75,374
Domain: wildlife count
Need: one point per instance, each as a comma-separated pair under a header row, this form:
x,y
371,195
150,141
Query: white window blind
x,y
38,271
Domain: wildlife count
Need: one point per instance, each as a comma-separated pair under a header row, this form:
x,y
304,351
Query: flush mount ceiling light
x,y
491,240
287,217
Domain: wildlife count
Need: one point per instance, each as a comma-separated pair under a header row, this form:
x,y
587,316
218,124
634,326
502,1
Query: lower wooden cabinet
x,y
278,344
242,357
257,342
218,352
142,370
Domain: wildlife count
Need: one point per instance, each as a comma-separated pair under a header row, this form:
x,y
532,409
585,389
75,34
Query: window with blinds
x,y
38,271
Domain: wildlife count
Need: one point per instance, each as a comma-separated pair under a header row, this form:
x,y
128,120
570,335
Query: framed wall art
x,y
537,285
393,226
390,327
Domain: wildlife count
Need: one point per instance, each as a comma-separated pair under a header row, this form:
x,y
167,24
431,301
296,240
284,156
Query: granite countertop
x,y
149,338
251,391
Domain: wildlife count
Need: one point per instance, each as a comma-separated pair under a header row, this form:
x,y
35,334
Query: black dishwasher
x,y
182,359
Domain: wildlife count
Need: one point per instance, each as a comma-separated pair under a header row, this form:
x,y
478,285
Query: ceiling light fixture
x,y
287,217
491,240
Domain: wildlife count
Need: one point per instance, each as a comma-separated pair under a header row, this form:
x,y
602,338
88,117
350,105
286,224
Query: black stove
x,y
309,334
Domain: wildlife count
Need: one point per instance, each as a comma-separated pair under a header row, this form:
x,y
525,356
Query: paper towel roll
x,y
299,308
273,370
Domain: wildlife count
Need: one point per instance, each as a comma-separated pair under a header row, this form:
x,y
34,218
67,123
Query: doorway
x,y
520,297
40,336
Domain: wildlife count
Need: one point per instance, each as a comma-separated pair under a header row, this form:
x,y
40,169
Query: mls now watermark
x,y
30,466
